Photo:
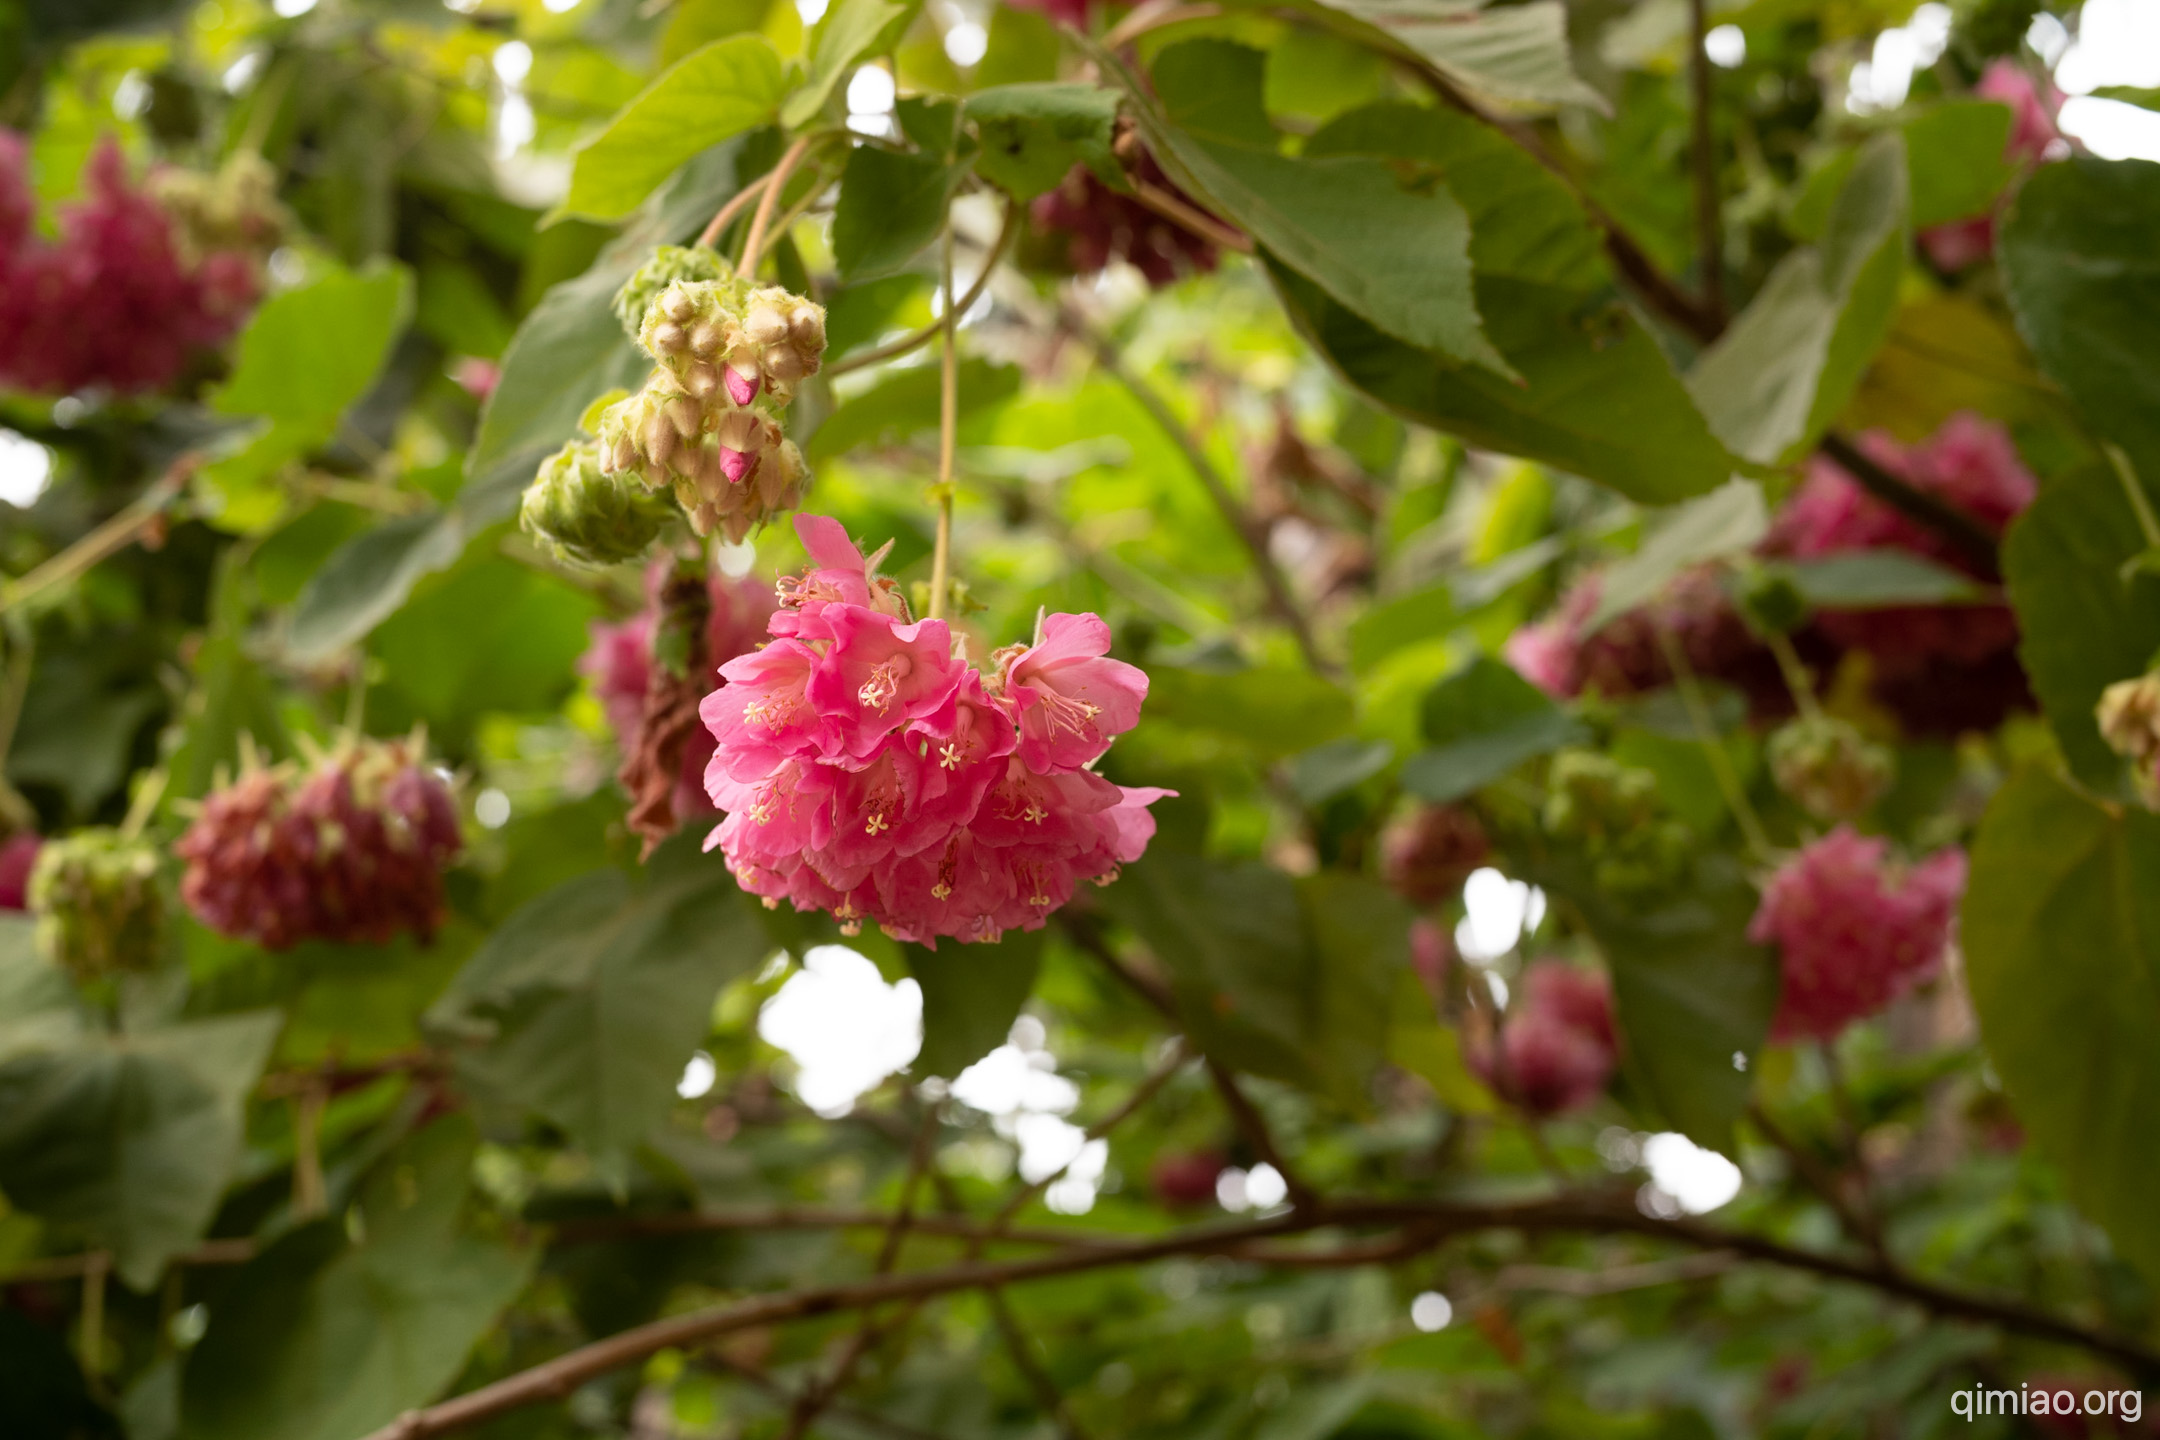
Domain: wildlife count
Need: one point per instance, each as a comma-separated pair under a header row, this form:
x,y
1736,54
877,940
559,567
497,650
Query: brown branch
x,y
762,1382
698,1222
133,522
1179,211
1253,1126
73,1267
1859,1224
1280,598
1973,540
1430,1221
1709,221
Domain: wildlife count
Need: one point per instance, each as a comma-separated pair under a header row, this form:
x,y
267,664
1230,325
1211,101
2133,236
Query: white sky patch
x,y
871,96
1685,1178
1260,1188
25,469
812,11
492,809
292,9
966,43
2118,43
513,62
1726,45
843,1026
2111,129
1431,1311
1882,81
697,1077
1497,911
1018,1087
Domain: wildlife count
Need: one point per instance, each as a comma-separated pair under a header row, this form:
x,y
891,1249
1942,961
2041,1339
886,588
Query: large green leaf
x,y
892,203
338,1328
1515,53
2061,933
1283,978
1694,997
2078,258
904,403
585,1005
1597,395
1033,134
38,1010
848,31
1956,153
1481,722
1774,381
1873,579
712,94
133,1137
1728,521
971,994
368,578
1396,256
2084,621
1275,709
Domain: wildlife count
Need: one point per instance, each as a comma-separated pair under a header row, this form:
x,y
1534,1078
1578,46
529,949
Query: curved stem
x,y
1797,679
2148,525
754,243
1972,539
916,339
108,539
710,235
1721,766
948,433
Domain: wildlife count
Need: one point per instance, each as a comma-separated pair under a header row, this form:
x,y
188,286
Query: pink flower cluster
x,y
113,301
1559,1045
1562,657
17,854
351,850
868,773
1101,225
619,665
1853,932
2033,138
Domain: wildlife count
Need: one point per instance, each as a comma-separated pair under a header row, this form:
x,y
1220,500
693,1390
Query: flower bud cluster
x,y
706,425
1853,931
99,910
1427,854
869,774
349,849
2129,716
1828,768
1611,811
1101,225
133,287
1559,1045
581,514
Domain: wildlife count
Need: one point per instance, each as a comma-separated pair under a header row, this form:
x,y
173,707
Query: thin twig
x,y
1432,1222
1280,598
948,431
1180,211
709,237
1859,1224
1797,679
1973,540
766,1385
753,250
1721,766
916,339
1031,1369
1709,221
1252,1125
108,539
1153,16
2135,493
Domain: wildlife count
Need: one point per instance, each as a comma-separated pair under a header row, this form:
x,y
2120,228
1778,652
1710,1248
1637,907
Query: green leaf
x,y
904,403
1775,380
1284,978
2061,934
1516,53
323,1337
1398,257
1691,993
1728,521
1325,771
231,697
849,31
1032,135
2083,623
1598,397
585,1005
892,203
38,1010
133,1137
1872,579
2077,257
970,995
712,94
310,352
367,579
1275,709
1957,155
1389,625
1481,722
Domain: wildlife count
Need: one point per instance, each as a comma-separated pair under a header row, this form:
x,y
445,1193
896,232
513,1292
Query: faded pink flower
x,y
1853,931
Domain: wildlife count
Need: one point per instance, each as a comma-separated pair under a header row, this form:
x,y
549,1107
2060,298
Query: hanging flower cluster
x,y
706,425
350,849
99,910
1101,225
139,280
1853,931
1942,669
619,663
1427,854
868,773
2034,137
1559,1046
18,853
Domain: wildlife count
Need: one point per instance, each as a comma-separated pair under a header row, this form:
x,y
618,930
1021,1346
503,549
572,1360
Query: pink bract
x,y
1853,931
1559,1045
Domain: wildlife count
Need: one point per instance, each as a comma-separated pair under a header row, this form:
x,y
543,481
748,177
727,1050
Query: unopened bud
x,y
2129,716
586,516
1828,768
669,264
98,907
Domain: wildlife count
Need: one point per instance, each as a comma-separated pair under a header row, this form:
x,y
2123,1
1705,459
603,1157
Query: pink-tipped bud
x,y
764,325
736,464
741,388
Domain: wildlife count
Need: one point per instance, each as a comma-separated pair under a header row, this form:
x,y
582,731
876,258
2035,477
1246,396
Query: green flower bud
x,y
95,895
669,263
1828,768
1611,812
584,515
